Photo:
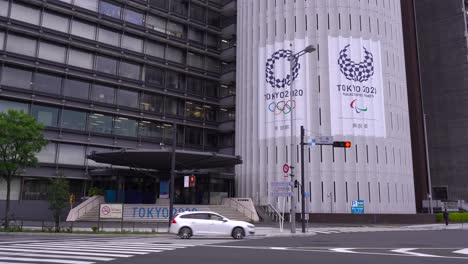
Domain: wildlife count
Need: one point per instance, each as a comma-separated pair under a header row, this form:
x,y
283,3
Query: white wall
x,y
14,191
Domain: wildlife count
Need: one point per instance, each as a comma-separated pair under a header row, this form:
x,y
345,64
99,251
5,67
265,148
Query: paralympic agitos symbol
x,y
355,107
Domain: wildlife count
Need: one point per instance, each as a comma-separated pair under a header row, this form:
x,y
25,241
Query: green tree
x,y
58,194
20,139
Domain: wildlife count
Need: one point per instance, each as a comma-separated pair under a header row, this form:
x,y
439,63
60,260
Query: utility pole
x,y
292,60
172,182
303,222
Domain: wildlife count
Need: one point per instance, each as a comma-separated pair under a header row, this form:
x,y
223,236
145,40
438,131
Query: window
x,y
212,65
155,49
133,17
73,120
87,4
179,7
159,3
109,9
216,217
196,35
100,123
193,110
47,83
52,52
213,18
125,127
154,76
175,55
152,103
4,8
156,23
21,45
83,30
130,70
132,43
106,65
211,138
25,13
173,106
151,129
103,94
80,59
71,154
193,136
45,115
211,88
197,13
210,113
2,39
195,60
175,80
47,153
76,89
127,98
212,41
109,37
55,22
175,29
6,105
16,78
194,85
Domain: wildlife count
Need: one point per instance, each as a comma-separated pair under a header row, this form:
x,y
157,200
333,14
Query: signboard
x,y
186,181
326,140
356,87
281,189
286,168
164,189
357,207
110,211
144,212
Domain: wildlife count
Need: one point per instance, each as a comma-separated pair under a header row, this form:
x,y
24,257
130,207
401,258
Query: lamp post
x,y
292,61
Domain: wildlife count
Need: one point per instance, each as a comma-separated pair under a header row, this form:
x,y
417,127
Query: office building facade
x,y
353,88
107,75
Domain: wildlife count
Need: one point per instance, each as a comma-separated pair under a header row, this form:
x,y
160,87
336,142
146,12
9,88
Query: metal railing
x,y
239,206
85,207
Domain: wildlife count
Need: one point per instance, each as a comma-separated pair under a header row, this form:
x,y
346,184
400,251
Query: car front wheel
x,y
185,233
238,233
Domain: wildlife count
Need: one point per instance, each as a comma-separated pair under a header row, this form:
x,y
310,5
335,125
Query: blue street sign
x,y
357,207
306,195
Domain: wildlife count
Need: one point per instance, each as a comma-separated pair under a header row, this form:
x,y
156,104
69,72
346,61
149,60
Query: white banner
x,y
111,211
356,87
276,102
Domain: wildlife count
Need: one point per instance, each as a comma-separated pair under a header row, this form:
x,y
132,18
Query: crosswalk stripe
x,y
67,253
77,249
407,251
343,250
55,256
3,262
462,251
147,246
62,261
93,249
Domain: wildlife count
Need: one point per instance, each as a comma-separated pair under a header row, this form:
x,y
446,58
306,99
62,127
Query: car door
x,y
201,224
219,226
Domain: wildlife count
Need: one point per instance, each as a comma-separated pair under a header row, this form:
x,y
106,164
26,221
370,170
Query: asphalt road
x,y
445,246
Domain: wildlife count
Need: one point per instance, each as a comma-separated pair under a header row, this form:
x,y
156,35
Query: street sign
x,y
306,195
281,189
110,211
286,168
186,181
357,207
324,140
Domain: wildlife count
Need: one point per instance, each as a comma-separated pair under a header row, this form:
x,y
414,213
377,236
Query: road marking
x,y
93,249
62,261
343,250
2,262
407,251
146,246
278,248
66,253
462,251
56,256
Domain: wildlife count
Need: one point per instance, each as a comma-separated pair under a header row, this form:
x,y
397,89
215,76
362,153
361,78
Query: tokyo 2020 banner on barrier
x,y
356,87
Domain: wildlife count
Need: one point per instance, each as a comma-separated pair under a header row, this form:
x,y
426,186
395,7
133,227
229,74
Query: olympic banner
x,y
277,103
356,87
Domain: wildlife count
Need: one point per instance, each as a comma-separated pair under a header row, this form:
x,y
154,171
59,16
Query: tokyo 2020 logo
x,y
270,75
353,71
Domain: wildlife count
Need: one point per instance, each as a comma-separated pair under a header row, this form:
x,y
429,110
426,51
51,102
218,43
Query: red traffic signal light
x,y
192,181
341,144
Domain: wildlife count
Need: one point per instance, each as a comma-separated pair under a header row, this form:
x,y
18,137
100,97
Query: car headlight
x,y
250,226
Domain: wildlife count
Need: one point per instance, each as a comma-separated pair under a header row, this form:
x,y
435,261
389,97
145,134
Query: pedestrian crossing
x,y
79,251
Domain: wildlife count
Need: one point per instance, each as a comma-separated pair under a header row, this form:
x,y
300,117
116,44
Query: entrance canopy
x,y
160,159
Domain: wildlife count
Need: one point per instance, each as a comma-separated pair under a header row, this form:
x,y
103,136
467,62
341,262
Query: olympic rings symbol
x,y
284,107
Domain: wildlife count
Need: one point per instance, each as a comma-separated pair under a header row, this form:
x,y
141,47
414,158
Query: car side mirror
x,y
224,220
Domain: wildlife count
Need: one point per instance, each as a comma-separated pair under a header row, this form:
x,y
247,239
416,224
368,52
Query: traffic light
x,y
341,144
192,181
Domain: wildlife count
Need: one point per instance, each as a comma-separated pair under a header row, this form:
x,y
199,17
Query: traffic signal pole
x,y
302,182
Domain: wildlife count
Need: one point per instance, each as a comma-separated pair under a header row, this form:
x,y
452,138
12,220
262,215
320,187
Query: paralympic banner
x,y
277,103
356,87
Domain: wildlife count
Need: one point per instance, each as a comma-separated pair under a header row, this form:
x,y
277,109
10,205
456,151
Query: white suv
x,y
188,224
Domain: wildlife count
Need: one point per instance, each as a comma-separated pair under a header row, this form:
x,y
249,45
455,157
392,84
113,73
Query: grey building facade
x,y
107,75
442,54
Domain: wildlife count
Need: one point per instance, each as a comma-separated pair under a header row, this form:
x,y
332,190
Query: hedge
x,y
453,217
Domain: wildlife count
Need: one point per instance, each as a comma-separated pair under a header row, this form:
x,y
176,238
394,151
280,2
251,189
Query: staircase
x,y
90,216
